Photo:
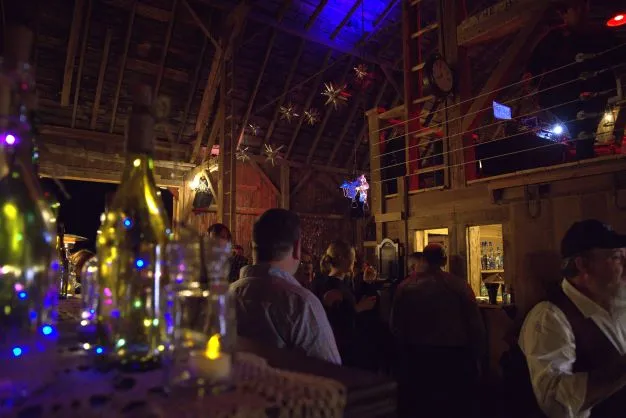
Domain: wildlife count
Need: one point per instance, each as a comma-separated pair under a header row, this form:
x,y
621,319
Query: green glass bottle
x,y
28,289
131,251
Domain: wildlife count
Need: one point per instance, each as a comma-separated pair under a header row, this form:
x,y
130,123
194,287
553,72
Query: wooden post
x,y
375,182
284,186
72,45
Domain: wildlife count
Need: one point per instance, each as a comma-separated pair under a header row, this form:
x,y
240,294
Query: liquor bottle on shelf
x,y
28,262
131,251
484,258
65,262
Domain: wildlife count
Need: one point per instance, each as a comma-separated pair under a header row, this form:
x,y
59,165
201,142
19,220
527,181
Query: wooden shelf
x,y
491,271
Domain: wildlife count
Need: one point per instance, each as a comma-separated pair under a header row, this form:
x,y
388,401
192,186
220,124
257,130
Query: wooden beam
x,y
521,47
230,33
312,94
300,184
103,68
285,197
70,57
294,164
81,62
166,46
207,174
193,89
391,80
215,130
347,124
328,114
281,100
200,24
275,191
120,76
315,14
345,20
358,140
499,20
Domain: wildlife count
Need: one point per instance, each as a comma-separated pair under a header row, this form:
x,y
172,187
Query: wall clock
x,y
439,76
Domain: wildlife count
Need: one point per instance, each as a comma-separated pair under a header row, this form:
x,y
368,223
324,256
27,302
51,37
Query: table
x,y
269,382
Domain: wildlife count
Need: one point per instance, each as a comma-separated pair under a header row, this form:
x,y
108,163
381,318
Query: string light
x,y
335,96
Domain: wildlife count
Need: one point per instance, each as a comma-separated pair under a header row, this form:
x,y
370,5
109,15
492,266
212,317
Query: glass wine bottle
x,y
28,285
131,250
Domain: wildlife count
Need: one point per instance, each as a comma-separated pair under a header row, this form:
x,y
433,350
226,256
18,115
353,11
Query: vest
x,y
593,350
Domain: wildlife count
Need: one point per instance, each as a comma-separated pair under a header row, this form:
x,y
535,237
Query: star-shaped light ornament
x,y
213,163
254,129
288,112
312,116
242,154
337,96
360,72
272,154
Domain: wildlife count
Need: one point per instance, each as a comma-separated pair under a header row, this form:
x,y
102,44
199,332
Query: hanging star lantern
x,y
272,154
360,72
242,154
288,112
254,129
337,96
312,116
213,163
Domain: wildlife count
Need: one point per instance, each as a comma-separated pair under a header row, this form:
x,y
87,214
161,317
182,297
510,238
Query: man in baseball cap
x,y
575,342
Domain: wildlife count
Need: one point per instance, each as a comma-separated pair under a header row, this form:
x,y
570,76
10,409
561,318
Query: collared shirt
x,y
274,308
547,341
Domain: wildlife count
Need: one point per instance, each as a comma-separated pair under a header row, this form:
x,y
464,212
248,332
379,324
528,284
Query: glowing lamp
x,y
17,351
99,350
22,295
128,222
212,351
617,20
10,139
557,129
46,330
140,263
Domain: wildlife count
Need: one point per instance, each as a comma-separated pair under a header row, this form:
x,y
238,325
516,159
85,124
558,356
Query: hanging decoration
x,y
288,112
336,96
312,116
213,163
272,154
254,129
242,154
356,190
361,72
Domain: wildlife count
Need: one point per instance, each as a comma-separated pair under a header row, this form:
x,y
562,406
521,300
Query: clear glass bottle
x,y
28,288
131,251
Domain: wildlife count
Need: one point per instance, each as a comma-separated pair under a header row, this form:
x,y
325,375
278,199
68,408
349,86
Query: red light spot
x,y
617,20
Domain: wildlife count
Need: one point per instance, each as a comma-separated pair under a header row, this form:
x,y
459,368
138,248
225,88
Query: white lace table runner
x,y
257,390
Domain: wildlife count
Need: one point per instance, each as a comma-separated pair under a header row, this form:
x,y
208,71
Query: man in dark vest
x,y
575,342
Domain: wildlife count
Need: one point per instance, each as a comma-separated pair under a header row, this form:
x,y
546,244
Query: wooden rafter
x,y
233,28
523,44
300,184
81,62
283,96
314,91
345,20
261,72
72,45
200,24
315,14
103,67
120,77
193,89
328,114
166,46
265,177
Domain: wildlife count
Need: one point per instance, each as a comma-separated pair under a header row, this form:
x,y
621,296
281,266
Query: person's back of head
x,y
276,239
220,232
339,258
415,262
435,256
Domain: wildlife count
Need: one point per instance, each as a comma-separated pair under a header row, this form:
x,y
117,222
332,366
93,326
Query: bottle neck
x,y
138,165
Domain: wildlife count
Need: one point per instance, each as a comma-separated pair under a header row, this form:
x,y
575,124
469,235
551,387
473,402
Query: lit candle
x,y
213,364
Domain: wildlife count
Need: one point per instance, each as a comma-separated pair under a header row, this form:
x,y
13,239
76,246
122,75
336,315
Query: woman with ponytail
x,y
332,288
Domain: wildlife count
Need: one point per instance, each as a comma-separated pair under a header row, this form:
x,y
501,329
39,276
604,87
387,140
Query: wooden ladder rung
x,y
425,30
429,169
425,132
415,2
418,67
423,99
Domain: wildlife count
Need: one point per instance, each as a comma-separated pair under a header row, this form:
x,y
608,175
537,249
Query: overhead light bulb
x,y
557,129
617,20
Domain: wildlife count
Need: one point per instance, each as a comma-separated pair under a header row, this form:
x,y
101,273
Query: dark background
x,y
81,212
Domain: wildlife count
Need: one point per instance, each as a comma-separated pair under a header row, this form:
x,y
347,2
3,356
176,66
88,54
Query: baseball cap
x,y
589,234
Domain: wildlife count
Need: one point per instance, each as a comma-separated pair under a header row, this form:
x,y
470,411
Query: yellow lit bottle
x,y
131,251
28,286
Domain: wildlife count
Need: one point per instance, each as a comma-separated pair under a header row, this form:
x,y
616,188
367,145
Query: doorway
x,y
432,236
485,262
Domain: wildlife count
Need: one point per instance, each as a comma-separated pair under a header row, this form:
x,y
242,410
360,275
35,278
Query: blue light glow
x,y
17,351
46,330
139,263
357,187
99,350
22,295
128,222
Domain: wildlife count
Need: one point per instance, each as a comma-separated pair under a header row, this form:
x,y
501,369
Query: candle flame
x,y
213,347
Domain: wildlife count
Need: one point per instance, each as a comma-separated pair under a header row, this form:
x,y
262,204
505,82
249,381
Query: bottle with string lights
x,y
28,265
131,251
